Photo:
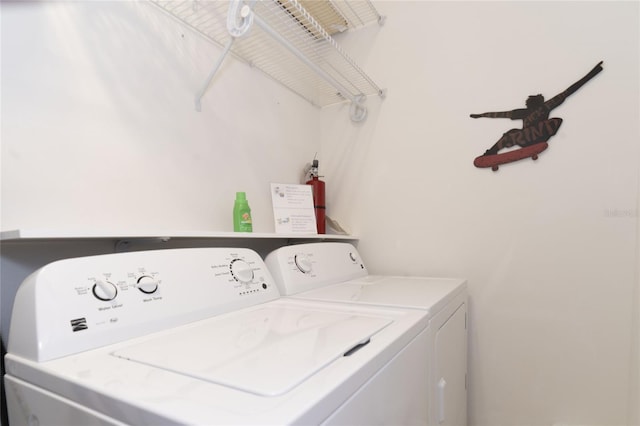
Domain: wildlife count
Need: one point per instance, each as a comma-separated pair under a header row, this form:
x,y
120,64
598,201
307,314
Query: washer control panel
x,y
88,302
305,267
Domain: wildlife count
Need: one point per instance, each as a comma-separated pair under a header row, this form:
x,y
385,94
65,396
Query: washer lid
x,y
267,351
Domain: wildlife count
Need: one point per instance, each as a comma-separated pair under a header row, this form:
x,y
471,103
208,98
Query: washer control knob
x,y
303,263
353,256
104,290
147,284
241,271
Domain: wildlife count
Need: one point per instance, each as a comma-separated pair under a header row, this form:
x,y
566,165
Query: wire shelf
x,y
289,44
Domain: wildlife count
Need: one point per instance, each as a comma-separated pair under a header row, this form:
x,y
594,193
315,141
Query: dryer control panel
x,y
305,267
78,304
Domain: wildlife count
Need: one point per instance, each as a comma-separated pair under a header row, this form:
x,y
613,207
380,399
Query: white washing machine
x,y
202,337
334,272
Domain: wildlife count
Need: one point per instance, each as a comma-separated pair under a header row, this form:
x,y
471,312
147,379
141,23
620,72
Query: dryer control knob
x,y
104,290
303,263
147,284
241,271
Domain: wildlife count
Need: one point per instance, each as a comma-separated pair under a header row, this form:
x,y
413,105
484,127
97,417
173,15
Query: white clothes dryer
x,y
334,272
201,336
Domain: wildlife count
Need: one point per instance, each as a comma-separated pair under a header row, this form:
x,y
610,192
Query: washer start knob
x,y
303,263
241,271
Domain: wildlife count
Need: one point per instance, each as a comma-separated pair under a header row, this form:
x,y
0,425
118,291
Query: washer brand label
x,y
79,324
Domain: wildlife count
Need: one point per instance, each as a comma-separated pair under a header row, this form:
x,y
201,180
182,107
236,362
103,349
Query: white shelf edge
x,y
53,234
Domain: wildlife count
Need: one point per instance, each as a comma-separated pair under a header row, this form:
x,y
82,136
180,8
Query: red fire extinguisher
x,y
318,196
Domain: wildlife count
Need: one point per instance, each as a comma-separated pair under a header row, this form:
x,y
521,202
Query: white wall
x,y
99,128
634,393
549,247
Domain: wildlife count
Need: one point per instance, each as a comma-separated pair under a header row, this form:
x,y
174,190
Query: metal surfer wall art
x,y
537,127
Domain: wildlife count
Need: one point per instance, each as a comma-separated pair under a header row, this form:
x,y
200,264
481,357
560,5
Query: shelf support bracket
x,y
239,21
213,72
358,111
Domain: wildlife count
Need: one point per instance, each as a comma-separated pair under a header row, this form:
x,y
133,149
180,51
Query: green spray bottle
x,y
242,214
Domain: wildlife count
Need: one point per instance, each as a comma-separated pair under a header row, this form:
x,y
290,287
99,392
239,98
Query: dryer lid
x,y
428,294
266,351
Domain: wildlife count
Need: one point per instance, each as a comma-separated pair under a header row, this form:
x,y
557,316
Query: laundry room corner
x,y
113,141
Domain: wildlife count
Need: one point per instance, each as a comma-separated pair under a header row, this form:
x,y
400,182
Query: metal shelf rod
x,y
213,72
266,28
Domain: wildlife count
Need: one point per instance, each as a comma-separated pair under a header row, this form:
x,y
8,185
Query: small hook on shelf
x,y
358,111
